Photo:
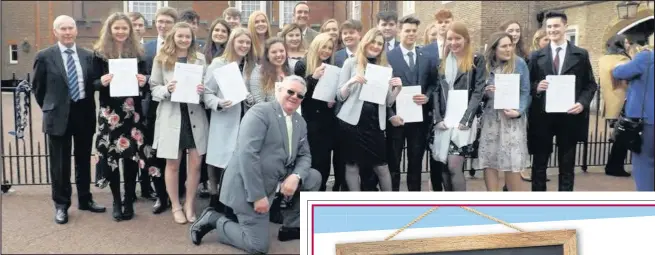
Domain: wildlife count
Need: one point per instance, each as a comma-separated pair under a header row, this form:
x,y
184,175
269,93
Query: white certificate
x,y
560,95
188,76
456,105
326,88
405,106
377,84
231,83
507,94
124,82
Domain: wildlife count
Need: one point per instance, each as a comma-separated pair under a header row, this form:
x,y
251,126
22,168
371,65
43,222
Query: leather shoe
x,y
288,234
203,225
92,207
160,206
61,216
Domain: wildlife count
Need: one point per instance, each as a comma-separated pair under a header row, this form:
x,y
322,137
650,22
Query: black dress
x,y
186,133
364,143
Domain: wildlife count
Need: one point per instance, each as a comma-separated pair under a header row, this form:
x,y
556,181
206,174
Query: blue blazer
x,y
432,52
425,74
339,57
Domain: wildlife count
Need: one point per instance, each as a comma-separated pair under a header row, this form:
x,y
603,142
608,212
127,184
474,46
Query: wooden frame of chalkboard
x,y
566,239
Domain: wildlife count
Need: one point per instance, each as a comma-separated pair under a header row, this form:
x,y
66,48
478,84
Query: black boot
x,y
615,162
117,213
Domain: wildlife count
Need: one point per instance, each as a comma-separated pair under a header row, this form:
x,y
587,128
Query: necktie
x,y
73,86
289,132
388,46
556,61
410,55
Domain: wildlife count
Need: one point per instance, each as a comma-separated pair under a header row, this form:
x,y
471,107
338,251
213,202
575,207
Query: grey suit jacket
x,y
309,36
262,158
50,85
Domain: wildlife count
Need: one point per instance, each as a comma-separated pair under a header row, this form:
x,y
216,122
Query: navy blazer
x,y
425,74
150,48
339,57
432,52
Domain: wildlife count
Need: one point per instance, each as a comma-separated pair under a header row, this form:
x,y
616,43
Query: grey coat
x,y
261,159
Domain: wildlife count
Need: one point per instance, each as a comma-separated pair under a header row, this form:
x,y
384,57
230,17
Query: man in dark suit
x,y
351,34
387,23
63,88
165,18
559,58
414,68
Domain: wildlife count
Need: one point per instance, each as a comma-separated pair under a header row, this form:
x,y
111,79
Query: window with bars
x,y
286,12
13,54
355,9
572,34
408,7
388,6
248,7
147,8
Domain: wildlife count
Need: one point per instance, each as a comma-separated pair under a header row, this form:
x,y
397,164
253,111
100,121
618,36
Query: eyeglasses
x,y
298,95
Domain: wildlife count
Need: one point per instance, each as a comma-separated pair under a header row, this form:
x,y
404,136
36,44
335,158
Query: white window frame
x,y
282,16
572,31
355,10
408,7
127,7
11,60
244,17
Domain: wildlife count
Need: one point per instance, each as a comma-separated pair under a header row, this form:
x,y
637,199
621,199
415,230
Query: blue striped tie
x,y
73,85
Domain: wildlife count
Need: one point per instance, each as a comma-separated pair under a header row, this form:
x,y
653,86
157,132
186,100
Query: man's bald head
x,y
65,30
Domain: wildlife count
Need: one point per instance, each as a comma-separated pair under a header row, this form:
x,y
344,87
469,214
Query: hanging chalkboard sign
x,y
559,242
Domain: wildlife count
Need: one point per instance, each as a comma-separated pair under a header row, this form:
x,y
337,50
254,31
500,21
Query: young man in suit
x,y
387,23
301,17
63,88
351,34
259,169
559,58
165,18
414,68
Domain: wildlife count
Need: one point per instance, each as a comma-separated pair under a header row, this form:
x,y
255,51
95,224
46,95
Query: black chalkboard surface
x,y
540,250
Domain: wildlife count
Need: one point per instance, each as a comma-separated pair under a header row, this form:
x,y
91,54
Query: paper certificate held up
x,y
405,106
124,82
560,95
231,83
188,76
507,94
326,88
456,105
377,84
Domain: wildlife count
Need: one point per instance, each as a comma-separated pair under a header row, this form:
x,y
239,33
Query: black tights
x,y
130,169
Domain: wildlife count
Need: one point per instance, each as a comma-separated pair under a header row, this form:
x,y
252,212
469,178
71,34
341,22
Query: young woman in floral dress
x,y
120,125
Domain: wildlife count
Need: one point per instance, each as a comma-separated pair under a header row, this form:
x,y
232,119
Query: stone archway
x,y
623,25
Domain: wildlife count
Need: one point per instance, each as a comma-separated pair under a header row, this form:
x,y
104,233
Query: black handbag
x,y
628,131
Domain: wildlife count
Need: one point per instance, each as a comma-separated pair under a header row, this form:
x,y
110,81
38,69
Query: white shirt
x,y
78,66
441,44
391,43
562,53
141,41
349,53
405,56
160,42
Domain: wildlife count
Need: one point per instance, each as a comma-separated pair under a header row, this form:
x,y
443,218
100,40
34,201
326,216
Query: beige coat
x,y
169,116
613,97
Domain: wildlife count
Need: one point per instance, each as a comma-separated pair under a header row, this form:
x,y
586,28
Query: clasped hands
x,y
288,189
105,80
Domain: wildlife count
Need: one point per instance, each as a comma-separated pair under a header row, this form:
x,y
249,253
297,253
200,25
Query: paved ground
x,y
27,223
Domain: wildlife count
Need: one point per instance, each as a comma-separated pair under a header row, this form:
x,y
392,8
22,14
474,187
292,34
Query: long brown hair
x,y
230,55
464,64
490,54
313,54
256,43
269,70
362,60
520,47
208,51
167,55
105,46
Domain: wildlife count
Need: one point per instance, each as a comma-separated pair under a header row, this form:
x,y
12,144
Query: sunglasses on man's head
x,y
298,95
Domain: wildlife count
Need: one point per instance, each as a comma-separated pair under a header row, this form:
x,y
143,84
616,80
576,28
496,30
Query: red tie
x,y
556,61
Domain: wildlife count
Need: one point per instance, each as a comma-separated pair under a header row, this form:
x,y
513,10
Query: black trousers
x,y
321,137
566,161
416,136
436,177
616,160
60,159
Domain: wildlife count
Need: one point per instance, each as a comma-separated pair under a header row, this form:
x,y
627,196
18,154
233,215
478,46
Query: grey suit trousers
x,y
251,234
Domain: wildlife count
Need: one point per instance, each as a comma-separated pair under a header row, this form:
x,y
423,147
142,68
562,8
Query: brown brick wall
x,y
16,29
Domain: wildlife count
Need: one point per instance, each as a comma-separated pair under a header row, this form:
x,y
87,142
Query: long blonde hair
x,y
537,38
167,55
256,42
105,46
323,30
426,34
313,54
464,64
360,55
230,55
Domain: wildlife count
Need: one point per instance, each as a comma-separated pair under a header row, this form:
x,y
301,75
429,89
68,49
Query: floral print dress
x,y
121,129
